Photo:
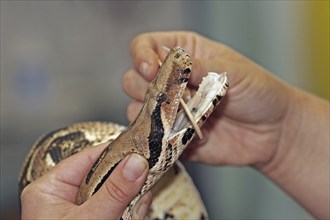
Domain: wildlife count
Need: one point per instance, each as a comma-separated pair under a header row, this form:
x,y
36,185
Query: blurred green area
x,y
318,23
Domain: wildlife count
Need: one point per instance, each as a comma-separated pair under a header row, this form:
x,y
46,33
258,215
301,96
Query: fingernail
x,y
134,167
144,69
142,211
142,207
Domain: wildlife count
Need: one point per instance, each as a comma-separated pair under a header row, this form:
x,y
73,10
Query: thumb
x,y
111,200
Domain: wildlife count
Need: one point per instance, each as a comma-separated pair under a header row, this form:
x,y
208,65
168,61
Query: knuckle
x,y
117,193
192,33
32,191
189,34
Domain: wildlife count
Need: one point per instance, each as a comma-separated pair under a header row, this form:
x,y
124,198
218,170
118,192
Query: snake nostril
x,y
176,56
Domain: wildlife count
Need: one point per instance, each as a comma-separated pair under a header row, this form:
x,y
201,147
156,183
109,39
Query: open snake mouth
x,y
210,91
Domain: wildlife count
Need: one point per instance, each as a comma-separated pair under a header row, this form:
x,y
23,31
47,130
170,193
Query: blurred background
x,y
62,62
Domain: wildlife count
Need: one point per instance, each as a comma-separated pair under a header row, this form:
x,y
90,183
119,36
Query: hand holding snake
x,y
246,105
280,130
53,195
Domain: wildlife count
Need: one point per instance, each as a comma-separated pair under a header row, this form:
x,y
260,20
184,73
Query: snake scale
x,y
160,133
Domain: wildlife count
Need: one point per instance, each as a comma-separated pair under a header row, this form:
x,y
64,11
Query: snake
x,y
160,133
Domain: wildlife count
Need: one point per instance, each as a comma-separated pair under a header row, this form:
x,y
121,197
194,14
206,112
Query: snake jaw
x,y
209,94
211,90
185,123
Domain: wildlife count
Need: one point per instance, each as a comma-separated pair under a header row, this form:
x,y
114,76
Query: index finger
x,y
147,49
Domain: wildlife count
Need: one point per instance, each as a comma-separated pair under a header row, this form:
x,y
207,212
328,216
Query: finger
x,y
145,56
147,48
134,85
133,110
119,189
142,206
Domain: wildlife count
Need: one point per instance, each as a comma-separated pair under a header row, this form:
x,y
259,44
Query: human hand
x,y
53,195
252,113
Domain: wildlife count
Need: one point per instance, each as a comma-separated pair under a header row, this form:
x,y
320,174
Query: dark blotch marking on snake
x,y
56,150
156,132
161,97
202,216
203,117
96,164
187,135
177,55
168,216
45,138
24,182
104,178
55,153
168,157
216,100
183,80
74,136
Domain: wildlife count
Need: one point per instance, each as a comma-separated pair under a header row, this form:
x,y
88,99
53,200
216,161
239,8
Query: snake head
x,y
169,85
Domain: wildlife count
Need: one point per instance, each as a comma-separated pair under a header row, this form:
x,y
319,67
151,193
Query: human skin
x,y
53,195
280,130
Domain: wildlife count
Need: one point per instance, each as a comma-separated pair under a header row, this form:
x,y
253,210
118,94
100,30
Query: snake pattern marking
x,y
160,133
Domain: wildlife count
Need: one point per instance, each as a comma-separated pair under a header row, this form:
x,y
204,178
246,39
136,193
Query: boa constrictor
x,y
160,133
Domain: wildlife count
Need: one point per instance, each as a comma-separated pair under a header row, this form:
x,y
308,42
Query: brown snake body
x,y
160,133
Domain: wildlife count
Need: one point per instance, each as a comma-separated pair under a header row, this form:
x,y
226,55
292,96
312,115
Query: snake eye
x,y
186,71
161,97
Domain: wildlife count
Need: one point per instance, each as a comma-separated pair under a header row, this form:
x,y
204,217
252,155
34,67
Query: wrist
x,y
287,139
300,164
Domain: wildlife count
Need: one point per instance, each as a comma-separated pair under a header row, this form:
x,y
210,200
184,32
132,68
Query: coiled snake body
x,y
160,133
